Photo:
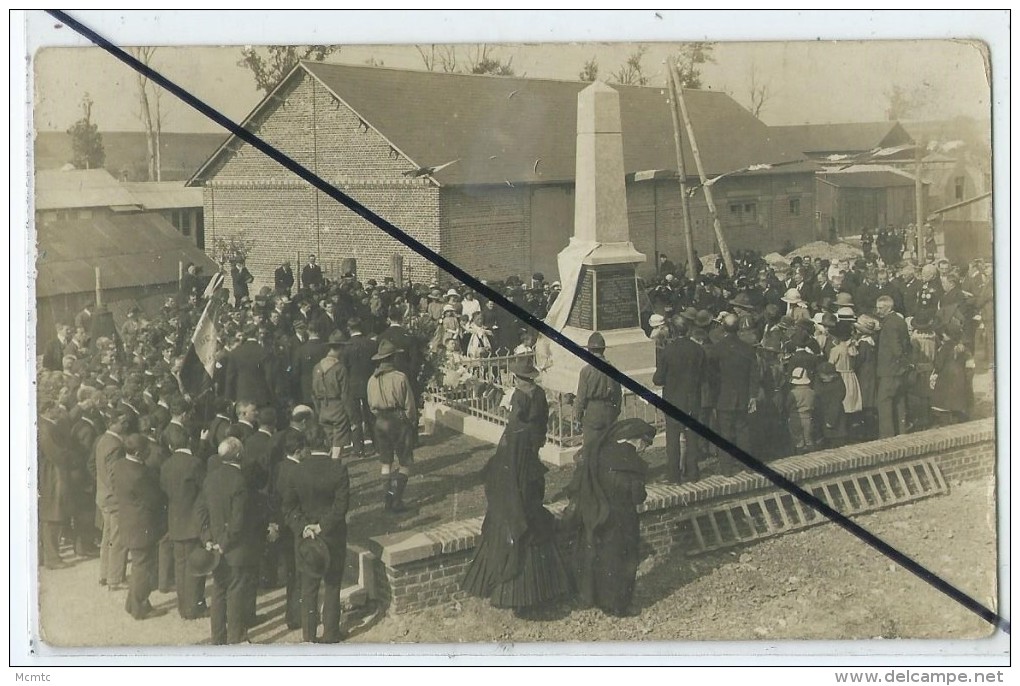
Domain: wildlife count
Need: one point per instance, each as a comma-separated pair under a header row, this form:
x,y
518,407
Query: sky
x,y
809,81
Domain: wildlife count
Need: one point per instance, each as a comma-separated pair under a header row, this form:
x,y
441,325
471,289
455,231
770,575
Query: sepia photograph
x,y
511,343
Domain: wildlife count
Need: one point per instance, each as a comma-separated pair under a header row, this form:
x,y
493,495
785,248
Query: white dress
x,y
841,357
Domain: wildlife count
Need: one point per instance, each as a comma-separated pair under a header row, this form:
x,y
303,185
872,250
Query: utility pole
x,y
724,249
692,272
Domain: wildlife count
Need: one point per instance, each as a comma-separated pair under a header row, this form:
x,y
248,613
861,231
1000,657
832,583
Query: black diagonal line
x,y
652,398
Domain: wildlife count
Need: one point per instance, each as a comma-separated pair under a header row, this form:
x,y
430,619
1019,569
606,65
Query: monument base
x,y
629,350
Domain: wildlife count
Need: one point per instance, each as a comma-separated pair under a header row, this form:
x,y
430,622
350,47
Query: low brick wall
x,y
421,569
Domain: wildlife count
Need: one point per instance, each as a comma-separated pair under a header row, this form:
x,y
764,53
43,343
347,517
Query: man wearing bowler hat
x,y
598,400
396,420
315,504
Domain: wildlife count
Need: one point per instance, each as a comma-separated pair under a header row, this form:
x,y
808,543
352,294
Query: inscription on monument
x,y
582,314
616,298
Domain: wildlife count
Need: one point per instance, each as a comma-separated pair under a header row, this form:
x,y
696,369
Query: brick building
x,y
500,199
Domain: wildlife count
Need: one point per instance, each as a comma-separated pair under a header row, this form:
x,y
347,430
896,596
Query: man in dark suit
x,y
293,450
142,519
410,356
109,449
257,465
175,432
908,286
240,278
56,460
738,388
679,371
316,504
53,353
247,414
181,479
358,360
87,427
229,523
892,364
250,371
283,278
305,357
311,275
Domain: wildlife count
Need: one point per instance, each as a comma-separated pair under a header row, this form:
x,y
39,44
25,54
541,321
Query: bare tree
x,y
760,92
590,71
689,60
630,72
447,55
150,101
428,55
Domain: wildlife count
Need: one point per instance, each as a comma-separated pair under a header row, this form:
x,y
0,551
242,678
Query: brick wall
x,y
487,229
424,568
253,198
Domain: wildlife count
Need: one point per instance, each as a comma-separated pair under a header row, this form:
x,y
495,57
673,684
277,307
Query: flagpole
x,y
724,249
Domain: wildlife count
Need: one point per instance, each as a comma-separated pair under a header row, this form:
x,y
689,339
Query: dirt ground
x,y
816,584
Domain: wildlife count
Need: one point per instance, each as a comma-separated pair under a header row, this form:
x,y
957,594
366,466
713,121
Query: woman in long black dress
x,y
606,491
517,565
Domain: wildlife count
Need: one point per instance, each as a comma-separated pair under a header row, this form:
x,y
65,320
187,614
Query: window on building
x,y
750,211
958,187
185,227
795,207
735,209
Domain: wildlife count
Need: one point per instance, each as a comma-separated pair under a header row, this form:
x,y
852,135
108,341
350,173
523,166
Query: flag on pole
x,y
200,359
214,283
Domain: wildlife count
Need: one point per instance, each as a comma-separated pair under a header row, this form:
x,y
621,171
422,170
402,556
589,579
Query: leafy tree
x,y
590,71
630,72
87,150
269,65
688,61
906,103
483,61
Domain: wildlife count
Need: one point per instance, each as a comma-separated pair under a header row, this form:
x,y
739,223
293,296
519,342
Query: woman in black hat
x,y
517,565
607,488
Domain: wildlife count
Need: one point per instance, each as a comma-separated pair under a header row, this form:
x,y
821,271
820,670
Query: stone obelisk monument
x,y
606,296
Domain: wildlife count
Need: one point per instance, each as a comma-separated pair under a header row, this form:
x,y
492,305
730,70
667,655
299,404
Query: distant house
x,y
86,219
834,143
481,169
865,196
865,180
175,202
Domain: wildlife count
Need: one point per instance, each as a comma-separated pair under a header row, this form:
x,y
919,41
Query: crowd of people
x,y
242,475
814,353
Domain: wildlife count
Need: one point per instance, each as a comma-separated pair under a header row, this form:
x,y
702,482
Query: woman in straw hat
x,y
517,565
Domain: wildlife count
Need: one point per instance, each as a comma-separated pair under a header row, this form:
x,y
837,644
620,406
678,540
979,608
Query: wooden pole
x,y
724,249
99,288
180,273
685,207
922,252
